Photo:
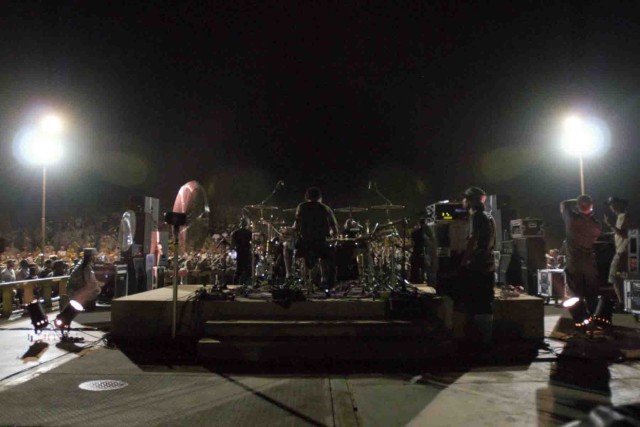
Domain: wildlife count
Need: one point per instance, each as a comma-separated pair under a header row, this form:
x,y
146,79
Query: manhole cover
x,y
103,385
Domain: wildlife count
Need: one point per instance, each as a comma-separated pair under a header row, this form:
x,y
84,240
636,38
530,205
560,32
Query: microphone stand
x,y
275,190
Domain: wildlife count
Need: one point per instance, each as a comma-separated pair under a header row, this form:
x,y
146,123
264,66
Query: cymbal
x,y
264,207
266,221
289,210
350,209
387,207
390,223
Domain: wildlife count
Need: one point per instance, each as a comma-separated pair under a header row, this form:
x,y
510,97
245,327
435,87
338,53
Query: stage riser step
x,y
290,351
313,310
374,328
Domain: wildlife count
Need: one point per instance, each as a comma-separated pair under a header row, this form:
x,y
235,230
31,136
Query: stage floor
x,y
148,315
499,390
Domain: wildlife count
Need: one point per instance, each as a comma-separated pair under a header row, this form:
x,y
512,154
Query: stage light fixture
x,y
39,319
66,316
578,310
604,311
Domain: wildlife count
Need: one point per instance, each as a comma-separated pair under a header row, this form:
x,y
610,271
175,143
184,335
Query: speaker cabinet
x,y
503,218
530,251
147,217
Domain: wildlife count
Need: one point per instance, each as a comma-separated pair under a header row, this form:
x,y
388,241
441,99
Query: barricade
x,y
28,286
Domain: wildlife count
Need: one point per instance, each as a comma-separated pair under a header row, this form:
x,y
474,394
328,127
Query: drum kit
x,y
372,257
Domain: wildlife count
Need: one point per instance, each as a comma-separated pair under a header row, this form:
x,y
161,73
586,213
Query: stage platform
x,y
148,315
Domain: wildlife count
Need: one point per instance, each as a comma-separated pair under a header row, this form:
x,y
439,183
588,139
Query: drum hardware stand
x,y
177,220
402,282
261,207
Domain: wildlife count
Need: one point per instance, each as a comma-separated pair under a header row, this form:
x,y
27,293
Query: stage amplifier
x,y
632,296
552,283
121,289
506,246
450,235
527,227
531,253
446,211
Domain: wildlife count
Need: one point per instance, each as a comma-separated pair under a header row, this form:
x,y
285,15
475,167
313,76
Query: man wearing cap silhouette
x,y
478,267
582,230
314,224
618,269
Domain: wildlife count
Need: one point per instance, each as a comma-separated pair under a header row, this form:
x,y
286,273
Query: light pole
x,y
42,146
581,138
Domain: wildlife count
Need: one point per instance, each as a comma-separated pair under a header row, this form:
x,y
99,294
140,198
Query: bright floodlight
x,y
40,148
51,124
581,137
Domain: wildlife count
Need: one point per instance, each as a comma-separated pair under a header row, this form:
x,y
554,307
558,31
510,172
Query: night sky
x,y
425,98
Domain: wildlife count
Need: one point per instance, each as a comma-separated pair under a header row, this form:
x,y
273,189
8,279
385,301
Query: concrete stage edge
x,y
148,315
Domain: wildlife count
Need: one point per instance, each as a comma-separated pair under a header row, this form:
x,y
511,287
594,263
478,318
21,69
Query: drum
x,y
287,235
346,259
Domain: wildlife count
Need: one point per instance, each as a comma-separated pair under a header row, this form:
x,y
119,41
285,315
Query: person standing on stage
x,y
83,286
478,267
582,230
314,224
619,267
241,242
423,257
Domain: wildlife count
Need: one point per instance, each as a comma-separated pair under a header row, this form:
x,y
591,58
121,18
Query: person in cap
x,y
619,267
477,274
582,229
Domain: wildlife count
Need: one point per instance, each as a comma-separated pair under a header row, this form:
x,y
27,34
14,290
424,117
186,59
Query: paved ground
x,y
500,390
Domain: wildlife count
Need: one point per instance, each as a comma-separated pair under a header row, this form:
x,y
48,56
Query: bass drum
x,y
346,260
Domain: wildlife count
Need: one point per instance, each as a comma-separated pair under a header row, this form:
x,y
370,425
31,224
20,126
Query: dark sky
x,y
425,98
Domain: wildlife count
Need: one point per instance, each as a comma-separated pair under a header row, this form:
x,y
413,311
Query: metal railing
x,y
28,286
